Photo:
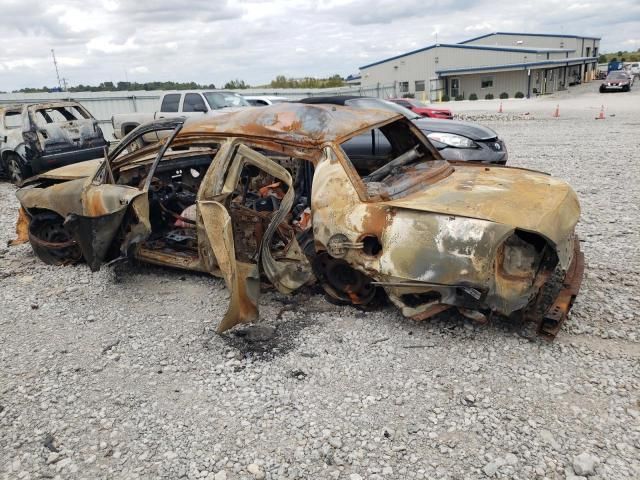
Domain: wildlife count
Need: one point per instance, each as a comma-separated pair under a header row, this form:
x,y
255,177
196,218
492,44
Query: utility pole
x,y
55,64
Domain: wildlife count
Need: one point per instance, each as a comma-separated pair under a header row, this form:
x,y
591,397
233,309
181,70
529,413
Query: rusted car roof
x,y
295,123
11,106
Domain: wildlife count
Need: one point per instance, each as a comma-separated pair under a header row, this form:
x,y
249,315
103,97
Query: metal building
x,y
501,62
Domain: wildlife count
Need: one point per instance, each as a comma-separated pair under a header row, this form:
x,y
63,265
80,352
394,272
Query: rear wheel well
x,y
50,240
128,128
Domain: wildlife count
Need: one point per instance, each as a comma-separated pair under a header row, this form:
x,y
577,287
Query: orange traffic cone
x,y
500,109
601,115
556,114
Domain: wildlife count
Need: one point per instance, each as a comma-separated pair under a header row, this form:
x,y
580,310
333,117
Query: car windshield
x,y
395,161
617,76
225,99
381,105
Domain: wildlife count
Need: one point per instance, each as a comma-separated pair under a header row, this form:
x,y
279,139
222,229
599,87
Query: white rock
x,y
490,469
255,470
510,459
585,464
221,475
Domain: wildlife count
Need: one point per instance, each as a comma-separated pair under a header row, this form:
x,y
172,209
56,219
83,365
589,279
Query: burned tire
x,y
16,169
51,242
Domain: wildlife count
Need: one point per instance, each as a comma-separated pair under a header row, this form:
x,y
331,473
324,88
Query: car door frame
x,y
215,224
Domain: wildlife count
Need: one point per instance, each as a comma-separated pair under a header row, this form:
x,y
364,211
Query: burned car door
x,y
248,237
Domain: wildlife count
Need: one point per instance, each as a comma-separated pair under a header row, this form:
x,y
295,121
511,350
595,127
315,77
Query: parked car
x,y
634,69
422,108
268,195
617,80
262,100
455,140
191,103
36,137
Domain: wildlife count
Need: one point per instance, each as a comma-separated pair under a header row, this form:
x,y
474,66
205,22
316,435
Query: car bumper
x,y
441,116
556,314
55,160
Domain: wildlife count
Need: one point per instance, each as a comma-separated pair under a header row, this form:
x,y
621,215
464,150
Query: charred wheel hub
x,y
51,241
342,281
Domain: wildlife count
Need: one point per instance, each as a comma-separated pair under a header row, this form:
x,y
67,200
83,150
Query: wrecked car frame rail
x,y
558,311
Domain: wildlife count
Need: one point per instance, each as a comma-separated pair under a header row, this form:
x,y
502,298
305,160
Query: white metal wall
x,y
103,105
509,82
422,66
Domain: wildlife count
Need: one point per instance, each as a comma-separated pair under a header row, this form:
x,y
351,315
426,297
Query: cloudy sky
x,y
213,41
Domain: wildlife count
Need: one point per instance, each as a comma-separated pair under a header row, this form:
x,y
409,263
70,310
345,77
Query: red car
x,y
423,109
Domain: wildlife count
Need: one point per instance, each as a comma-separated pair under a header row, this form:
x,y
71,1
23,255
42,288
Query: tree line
x,y
279,82
620,55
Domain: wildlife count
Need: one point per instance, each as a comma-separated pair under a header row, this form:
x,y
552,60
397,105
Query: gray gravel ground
x,y
119,374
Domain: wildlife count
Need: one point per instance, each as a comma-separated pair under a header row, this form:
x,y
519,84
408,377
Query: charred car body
x,y
269,195
37,137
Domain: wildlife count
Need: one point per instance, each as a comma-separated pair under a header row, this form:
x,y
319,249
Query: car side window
x,y
170,103
193,102
13,119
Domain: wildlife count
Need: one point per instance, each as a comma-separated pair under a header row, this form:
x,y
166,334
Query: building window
x,y
588,52
404,87
486,82
595,51
419,85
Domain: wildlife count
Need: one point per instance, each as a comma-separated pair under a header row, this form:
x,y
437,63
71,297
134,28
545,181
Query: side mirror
x,y
200,108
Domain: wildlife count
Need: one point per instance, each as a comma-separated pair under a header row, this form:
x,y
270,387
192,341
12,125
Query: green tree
x,y
236,85
307,82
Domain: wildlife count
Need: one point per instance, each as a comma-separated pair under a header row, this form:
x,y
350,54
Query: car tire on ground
x,y
17,170
51,242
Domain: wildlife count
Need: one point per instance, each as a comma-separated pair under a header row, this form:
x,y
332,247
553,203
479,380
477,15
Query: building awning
x,y
516,66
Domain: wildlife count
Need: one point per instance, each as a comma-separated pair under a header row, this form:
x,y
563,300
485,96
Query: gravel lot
x,y
119,374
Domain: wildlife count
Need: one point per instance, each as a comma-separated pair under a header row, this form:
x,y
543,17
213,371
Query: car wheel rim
x,y
14,171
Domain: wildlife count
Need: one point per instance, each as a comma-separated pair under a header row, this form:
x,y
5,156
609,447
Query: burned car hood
x,y
470,130
68,172
521,198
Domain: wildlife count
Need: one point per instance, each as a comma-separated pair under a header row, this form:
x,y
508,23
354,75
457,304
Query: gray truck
x,y
36,137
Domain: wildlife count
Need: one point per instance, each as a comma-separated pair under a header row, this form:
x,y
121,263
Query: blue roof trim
x,y
564,61
527,34
472,47
508,49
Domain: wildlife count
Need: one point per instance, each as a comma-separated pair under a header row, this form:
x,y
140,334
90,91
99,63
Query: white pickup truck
x,y
189,103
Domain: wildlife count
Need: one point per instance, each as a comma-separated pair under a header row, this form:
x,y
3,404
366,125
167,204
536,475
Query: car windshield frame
x,y
213,99
377,191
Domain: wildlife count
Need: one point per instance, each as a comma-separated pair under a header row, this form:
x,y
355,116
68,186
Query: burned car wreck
x,y
269,196
36,137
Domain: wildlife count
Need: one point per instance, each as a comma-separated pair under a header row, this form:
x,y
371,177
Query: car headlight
x,y
452,140
519,256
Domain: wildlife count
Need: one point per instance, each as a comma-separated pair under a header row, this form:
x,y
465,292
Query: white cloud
x,y
213,41
139,69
